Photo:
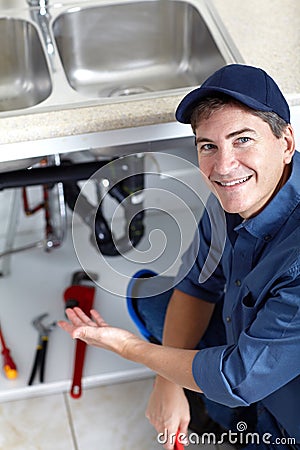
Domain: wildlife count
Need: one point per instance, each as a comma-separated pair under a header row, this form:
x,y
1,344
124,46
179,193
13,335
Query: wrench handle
x,y
178,444
78,369
43,358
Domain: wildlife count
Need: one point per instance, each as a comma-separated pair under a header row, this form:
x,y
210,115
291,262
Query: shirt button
x,y
238,283
267,237
228,319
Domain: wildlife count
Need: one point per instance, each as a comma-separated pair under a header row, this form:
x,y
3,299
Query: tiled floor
x,y
104,418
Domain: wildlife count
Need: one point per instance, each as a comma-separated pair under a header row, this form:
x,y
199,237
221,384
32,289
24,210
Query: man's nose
x,y
225,161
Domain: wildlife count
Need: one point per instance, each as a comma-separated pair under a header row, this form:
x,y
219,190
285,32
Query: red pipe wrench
x,y
178,443
81,293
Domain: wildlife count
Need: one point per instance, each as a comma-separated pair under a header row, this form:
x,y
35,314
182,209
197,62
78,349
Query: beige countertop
x,y
266,33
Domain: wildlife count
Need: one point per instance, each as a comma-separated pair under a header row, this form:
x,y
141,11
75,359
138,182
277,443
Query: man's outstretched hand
x,y
95,331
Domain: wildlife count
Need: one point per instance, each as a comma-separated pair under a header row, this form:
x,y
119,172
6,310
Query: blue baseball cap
x,y
249,85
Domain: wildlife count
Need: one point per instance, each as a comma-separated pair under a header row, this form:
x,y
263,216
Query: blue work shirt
x,y
258,280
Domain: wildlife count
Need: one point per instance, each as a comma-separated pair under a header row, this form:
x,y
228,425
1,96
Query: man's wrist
x,y
161,382
133,348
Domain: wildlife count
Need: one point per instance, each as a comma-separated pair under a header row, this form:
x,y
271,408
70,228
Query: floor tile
x,y
35,424
113,417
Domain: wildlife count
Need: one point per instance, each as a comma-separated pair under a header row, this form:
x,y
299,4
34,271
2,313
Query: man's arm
x,y
186,320
174,364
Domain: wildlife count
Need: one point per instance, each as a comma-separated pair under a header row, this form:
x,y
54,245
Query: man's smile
x,y
232,182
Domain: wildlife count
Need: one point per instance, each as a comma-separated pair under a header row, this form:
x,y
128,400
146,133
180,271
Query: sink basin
x,y
24,76
135,47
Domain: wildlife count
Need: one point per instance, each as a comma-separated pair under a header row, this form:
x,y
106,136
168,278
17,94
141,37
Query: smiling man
x,y
233,340
244,165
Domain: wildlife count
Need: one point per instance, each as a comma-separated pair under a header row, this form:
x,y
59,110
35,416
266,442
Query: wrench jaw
x,y
80,277
42,329
37,322
80,291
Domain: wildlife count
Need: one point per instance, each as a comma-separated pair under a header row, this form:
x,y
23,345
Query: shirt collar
x,y
266,224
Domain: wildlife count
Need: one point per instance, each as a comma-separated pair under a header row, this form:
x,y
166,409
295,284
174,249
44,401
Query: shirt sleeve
x,y
200,273
266,356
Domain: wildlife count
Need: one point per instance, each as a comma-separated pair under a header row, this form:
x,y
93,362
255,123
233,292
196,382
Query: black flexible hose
x,y
49,174
102,236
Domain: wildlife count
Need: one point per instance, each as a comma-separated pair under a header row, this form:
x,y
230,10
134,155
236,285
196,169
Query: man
x,y
233,335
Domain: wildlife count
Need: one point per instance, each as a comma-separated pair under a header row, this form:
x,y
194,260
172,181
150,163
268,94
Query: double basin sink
x,y
97,52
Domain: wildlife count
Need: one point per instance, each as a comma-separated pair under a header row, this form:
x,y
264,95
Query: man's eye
x,y
243,139
206,147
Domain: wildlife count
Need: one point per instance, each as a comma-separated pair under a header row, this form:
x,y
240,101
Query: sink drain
x,y
130,90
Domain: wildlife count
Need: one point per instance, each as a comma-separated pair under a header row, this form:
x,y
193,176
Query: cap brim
x,y
191,100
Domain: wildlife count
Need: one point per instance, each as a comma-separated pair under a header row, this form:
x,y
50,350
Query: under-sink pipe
x,y
128,191
49,174
53,204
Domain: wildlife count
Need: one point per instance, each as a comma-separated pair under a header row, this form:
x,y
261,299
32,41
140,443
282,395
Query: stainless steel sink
x,y
77,53
136,47
24,76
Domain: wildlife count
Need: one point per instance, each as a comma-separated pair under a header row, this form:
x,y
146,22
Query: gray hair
x,y
211,104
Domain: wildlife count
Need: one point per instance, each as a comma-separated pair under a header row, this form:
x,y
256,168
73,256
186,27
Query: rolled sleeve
x,y
265,358
207,373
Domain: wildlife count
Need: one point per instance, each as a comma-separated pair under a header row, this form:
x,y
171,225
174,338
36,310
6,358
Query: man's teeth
x,y
232,183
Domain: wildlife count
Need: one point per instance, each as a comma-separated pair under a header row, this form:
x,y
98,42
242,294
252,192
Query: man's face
x,y
241,159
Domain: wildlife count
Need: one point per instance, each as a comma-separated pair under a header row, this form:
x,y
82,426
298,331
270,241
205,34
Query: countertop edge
x,y
92,119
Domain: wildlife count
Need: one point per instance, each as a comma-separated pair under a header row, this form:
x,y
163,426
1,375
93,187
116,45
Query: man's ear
x,y
288,140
